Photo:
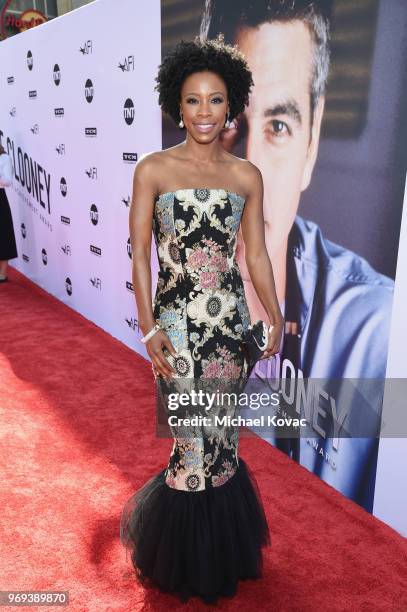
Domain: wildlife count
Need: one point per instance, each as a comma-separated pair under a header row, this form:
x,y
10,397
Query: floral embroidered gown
x,y
198,526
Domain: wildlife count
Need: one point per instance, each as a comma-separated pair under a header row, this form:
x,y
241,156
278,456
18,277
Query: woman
x,y
8,247
198,526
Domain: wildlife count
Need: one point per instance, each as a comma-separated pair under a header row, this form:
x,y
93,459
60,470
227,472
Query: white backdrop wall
x,y
78,107
391,483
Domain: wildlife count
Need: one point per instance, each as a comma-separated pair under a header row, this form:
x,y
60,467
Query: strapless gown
x,y
199,525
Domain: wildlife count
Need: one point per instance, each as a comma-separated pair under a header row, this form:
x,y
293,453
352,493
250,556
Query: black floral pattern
x,y
200,303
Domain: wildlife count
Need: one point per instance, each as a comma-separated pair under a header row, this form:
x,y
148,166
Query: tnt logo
x,y
30,60
94,214
57,75
63,186
68,285
89,91
128,111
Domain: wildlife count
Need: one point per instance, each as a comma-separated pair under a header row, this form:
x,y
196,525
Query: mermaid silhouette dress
x,y
199,525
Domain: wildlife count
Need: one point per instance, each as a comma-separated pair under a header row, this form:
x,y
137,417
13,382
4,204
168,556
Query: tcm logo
x,y
128,111
129,252
68,285
59,112
60,149
23,230
129,158
91,132
92,173
133,323
35,128
32,95
10,80
66,248
89,91
94,214
65,220
126,201
128,64
56,74
95,250
96,282
30,60
63,186
44,257
86,48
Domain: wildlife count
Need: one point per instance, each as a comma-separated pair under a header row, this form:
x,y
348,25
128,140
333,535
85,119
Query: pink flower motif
x,y
197,259
219,263
208,280
212,370
214,246
231,370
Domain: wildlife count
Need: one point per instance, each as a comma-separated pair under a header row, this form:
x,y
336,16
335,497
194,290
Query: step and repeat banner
x,y
337,223
78,110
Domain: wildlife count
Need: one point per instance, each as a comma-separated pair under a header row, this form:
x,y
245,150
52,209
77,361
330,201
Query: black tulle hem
x,y
197,543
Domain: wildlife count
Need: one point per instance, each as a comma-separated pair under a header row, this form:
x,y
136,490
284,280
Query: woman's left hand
x,y
274,338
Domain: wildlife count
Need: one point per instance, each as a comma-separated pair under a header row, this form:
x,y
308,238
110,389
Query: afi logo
x,y
35,129
87,48
13,111
23,230
133,323
60,149
92,173
128,64
126,201
96,282
44,257
66,249
129,253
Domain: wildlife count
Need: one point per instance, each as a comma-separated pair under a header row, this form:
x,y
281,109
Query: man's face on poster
x,y
279,139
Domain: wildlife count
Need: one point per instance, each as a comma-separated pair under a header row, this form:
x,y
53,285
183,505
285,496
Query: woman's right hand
x,y
155,348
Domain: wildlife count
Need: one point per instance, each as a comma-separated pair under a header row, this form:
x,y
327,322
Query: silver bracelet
x,y
150,334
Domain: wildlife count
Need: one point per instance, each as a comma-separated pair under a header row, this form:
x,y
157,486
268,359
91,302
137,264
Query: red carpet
x,y
77,439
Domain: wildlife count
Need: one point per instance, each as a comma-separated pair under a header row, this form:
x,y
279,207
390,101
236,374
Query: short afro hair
x,y
200,55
